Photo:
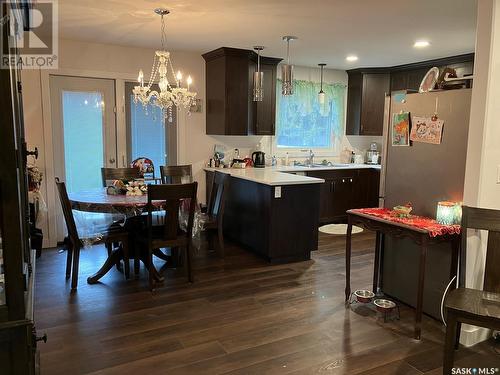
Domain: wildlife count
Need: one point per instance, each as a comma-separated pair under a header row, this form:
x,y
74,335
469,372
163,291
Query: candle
x,y
140,79
179,78
189,81
448,213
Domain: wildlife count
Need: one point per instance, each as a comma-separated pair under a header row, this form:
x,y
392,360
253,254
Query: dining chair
x,y
110,174
213,219
112,234
166,232
176,174
472,306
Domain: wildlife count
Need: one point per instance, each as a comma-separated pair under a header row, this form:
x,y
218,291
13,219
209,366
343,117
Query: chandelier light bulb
x,y
189,81
140,79
179,76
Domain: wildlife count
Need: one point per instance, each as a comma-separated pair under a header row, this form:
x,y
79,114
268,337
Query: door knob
x,y
112,160
41,338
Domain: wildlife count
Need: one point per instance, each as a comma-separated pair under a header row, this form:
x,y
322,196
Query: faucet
x,y
310,160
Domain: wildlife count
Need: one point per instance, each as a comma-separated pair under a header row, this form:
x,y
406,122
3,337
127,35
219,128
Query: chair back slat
x,y
174,174
492,267
488,220
67,212
110,174
171,195
215,205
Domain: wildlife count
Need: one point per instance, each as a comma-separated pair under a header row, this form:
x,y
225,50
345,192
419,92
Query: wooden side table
x,y
420,236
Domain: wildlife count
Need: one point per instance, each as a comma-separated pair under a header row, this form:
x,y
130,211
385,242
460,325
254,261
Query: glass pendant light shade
x,y
287,79
258,79
321,93
287,69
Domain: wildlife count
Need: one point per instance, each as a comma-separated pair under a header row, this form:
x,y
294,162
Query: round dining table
x,y
99,201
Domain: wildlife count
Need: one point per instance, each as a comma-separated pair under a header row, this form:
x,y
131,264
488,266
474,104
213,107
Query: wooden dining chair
x,y
166,232
472,306
110,174
175,174
74,243
215,210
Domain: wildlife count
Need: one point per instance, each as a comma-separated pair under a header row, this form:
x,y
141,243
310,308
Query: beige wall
x,y
483,152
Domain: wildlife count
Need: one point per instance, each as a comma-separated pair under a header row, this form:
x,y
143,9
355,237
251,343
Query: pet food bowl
x,y
364,296
384,305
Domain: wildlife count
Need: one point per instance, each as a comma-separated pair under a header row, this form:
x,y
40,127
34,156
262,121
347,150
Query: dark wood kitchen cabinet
x,y
365,101
344,189
229,85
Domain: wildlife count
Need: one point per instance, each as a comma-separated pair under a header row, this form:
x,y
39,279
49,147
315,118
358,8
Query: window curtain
x,y
302,122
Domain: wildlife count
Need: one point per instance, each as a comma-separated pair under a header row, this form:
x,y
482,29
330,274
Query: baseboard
x,y
471,335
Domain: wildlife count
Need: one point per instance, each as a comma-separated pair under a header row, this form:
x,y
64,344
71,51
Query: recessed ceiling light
x,y
352,58
421,44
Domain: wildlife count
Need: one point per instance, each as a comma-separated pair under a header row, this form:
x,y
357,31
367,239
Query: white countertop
x,y
283,175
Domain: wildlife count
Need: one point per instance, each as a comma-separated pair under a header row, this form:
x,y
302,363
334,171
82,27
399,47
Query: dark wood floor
x,y
241,316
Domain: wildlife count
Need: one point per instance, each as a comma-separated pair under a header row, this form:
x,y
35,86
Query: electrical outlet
x,y
277,192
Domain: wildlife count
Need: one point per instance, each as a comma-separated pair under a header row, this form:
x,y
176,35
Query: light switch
x,y
277,192
498,174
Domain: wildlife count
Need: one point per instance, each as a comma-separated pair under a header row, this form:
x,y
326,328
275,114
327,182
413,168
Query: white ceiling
x,y
380,32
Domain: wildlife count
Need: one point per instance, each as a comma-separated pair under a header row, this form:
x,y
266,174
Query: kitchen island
x,y
272,213
275,211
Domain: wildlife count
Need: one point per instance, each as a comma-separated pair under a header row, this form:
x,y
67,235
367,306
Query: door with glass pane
x,y
148,135
84,129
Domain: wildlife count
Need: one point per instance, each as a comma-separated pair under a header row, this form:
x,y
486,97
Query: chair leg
x,y
449,343
220,237
69,258
109,247
188,262
457,340
137,259
126,258
150,268
76,264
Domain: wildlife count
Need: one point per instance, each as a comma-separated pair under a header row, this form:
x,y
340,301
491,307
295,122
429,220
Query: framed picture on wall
x,y
400,130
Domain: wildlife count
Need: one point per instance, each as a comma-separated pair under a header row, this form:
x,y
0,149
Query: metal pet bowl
x,y
384,305
364,296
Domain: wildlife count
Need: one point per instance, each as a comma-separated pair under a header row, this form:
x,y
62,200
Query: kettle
x,y
259,160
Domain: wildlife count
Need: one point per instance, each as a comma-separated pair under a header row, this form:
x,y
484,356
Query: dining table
x,y
126,207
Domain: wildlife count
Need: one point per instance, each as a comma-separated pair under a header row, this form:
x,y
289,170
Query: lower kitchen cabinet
x,y
345,189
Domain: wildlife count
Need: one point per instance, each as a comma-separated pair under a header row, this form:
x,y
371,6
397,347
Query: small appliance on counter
x,y
259,159
373,155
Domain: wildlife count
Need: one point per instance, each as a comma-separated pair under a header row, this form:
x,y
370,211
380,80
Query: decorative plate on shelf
x,y
429,81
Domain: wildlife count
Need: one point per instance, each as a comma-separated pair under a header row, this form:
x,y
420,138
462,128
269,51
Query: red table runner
x,y
432,226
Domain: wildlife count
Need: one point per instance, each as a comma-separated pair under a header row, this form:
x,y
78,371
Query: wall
x,y
481,187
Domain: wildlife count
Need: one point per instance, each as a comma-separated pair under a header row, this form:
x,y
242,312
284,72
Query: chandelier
x,y
168,95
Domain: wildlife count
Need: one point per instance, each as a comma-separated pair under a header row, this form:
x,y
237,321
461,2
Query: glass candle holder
x,y
449,213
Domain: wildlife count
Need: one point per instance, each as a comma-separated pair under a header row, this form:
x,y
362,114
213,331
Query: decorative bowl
x,y
384,305
364,296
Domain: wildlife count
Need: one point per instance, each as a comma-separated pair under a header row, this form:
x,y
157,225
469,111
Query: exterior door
x,y
84,129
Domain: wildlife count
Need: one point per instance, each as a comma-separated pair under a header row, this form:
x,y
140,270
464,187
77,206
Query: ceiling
x,y
379,32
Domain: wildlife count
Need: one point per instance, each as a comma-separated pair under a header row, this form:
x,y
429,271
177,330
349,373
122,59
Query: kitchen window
x,y
302,123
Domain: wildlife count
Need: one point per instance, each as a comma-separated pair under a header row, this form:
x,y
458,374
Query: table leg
x,y
115,256
348,259
420,290
376,264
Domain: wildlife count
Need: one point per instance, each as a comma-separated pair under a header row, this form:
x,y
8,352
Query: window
x,y
147,134
301,122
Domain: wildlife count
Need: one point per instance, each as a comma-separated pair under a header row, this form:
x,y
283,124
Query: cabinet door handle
x,y
332,186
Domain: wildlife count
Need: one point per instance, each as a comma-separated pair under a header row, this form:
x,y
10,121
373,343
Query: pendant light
x,y
321,94
258,78
287,69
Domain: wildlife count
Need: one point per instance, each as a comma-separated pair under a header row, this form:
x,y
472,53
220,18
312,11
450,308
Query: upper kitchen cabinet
x,y
409,76
229,84
365,101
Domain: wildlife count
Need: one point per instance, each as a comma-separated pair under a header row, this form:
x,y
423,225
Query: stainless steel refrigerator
x,y
423,174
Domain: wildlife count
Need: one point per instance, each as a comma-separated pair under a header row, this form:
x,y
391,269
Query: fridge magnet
x,y
401,129
427,130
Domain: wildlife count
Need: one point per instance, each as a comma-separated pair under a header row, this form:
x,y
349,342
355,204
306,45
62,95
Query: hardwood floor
x,y
241,316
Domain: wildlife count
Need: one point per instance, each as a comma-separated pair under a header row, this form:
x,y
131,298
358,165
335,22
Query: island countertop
x,y
284,175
